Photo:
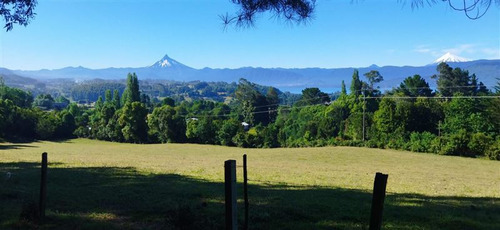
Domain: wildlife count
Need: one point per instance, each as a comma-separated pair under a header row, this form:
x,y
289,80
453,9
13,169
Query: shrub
x,y
436,145
247,140
456,144
371,144
398,143
46,126
421,142
479,143
493,152
354,143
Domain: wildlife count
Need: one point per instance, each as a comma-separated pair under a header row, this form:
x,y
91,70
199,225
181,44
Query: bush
x,y
421,142
354,143
372,144
493,152
46,126
398,143
82,132
457,144
436,145
247,140
479,143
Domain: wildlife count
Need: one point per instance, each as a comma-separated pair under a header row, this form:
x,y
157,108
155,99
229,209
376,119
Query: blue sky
x,y
127,33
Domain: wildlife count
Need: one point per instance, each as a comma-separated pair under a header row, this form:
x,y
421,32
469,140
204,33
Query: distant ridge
x,y
285,79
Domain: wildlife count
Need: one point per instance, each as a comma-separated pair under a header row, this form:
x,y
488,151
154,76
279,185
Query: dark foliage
x,y
17,12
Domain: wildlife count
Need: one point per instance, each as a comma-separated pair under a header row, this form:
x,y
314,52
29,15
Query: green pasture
x,y
103,185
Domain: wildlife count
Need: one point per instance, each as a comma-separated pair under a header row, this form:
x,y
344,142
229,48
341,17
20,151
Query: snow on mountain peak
x,y
448,57
166,62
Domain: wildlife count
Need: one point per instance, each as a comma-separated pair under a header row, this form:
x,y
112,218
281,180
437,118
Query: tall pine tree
x,y
116,99
356,84
131,93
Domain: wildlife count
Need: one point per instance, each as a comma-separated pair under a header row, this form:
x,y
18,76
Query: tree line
x,y
461,117
89,91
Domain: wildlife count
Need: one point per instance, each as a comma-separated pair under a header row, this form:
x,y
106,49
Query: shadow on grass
x,y
17,143
123,198
15,146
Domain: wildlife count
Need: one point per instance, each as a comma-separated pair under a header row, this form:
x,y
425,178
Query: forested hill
x,y
90,90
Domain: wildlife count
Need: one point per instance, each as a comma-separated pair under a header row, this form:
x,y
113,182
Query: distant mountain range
x,y
292,79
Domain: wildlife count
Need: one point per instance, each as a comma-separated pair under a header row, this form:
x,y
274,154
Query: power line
x,y
439,97
288,108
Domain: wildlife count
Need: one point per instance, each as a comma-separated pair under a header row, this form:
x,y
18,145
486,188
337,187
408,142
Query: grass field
x,y
102,185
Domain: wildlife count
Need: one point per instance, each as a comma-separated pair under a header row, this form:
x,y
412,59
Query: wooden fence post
x,y
378,201
245,190
230,191
43,187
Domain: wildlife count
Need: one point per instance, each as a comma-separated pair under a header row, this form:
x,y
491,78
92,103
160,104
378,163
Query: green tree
x,y
227,131
18,122
467,114
113,128
133,122
66,126
493,112
168,101
19,97
46,126
343,91
202,130
107,97
74,110
98,104
116,99
338,112
44,100
313,96
385,119
273,103
373,77
414,87
451,81
425,116
166,125
253,104
356,84
62,99
131,93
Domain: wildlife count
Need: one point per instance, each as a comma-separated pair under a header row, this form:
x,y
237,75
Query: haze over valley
x,y
285,79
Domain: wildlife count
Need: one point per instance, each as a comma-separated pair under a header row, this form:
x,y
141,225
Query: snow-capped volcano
x,y
448,57
167,62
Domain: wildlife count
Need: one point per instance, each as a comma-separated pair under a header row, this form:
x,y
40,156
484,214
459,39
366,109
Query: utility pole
x,y
439,129
364,105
